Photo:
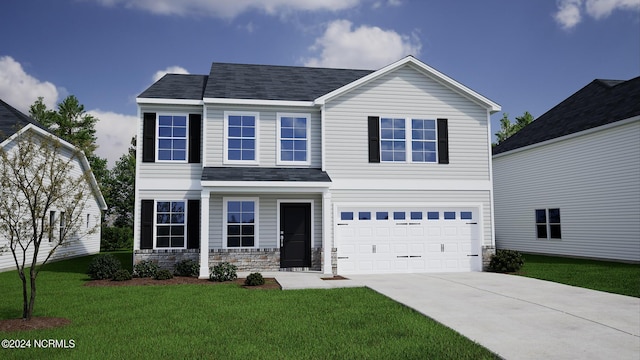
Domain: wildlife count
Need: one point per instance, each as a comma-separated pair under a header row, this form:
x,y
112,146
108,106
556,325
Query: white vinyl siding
x,y
405,93
267,229
268,134
594,180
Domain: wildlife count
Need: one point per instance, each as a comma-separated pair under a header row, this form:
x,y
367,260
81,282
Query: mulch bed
x,y
37,323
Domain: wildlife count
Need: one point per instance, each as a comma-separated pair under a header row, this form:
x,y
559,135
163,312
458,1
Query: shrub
x,y
145,268
122,275
187,267
163,274
224,272
116,238
103,266
505,261
254,279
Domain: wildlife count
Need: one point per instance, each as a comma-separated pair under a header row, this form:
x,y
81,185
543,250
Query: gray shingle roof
x,y
177,86
12,120
264,174
599,103
268,82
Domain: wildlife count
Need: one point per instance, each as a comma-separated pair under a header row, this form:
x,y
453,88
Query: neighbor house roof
x,y
12,120
264,174
599,103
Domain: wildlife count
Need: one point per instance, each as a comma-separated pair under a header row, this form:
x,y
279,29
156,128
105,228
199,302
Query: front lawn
x,y
223,321
613,277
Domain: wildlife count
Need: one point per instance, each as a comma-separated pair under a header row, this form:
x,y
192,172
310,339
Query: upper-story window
x,y
410,139
241,137
407,140
172,137
293,139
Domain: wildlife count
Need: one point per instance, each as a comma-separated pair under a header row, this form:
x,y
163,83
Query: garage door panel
x,y
399,240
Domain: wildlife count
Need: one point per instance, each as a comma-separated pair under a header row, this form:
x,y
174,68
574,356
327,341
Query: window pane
x,y
346,215
248,155
179,155
248,241
249,132
554,216
247,229
542,231
162,230
466,215
416,215
177,241
382,215
233,230
449,215
364,215
300,156
164,144
235,131
162,241
233,241
541,216
164,120
433,215
286,122
248,206
286,155
555,231
399,215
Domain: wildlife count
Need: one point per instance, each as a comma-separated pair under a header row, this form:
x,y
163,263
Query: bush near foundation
x,y
254,279
103,266
224,272
506,261
145,269
187,267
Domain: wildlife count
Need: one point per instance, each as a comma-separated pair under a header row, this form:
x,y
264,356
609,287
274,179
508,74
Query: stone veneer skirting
x,y
252,260
487,254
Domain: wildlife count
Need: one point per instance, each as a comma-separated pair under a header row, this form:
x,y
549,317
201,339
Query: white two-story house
x,y
334,170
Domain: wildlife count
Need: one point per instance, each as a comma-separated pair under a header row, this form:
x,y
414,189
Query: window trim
x,y
547,224
155,224
408,138
186,137
225,143
279,117
225,224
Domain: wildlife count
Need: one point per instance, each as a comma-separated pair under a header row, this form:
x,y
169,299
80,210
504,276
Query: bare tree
x,y
39,178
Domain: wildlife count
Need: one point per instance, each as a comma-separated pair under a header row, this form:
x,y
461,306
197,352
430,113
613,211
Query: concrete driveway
x,y
521,318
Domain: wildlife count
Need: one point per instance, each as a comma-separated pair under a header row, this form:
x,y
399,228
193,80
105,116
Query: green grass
x,y
223,321
613,277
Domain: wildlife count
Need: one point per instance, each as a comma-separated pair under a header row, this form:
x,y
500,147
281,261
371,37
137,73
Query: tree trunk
x,y
32,300
25,300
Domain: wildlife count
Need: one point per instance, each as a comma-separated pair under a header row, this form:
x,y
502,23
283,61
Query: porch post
x,y
204,234
327,229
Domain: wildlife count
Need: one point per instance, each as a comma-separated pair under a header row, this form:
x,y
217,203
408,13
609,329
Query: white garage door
x,y
404,240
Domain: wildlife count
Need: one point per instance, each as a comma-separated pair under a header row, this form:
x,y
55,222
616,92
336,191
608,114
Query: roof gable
x,y
268,82
599,103
425,70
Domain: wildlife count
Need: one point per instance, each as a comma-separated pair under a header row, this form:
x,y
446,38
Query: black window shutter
x,y
374,139
443,141
193,224
149,137
146,228
195,121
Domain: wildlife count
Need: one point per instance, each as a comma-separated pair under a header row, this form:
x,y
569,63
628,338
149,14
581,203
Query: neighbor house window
x,y
240,132
240,223
170,224
52,224
392,140
62,224
548,224
293,139
172,137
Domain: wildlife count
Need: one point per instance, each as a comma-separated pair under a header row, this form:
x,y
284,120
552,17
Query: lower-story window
x,y
240,223
170,224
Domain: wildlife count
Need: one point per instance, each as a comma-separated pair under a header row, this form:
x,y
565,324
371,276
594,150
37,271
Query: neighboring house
x,y
569,183
14,123
298,168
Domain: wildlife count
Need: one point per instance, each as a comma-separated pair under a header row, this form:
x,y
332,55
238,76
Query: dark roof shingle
x,y
177,86
264,174
269,82
12,120
599,103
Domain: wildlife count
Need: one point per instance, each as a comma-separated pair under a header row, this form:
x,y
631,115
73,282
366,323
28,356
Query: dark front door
x,y
295,235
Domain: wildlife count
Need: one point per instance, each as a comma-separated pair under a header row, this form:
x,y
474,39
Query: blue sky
x,y
526,55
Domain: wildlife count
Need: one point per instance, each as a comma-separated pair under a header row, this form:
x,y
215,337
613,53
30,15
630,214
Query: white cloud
x,y
114,132
21,90
570,12
230,9
366,47
170,70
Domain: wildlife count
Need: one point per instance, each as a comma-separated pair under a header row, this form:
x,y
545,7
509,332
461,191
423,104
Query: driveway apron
x,y
521,318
